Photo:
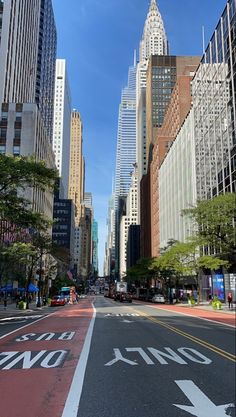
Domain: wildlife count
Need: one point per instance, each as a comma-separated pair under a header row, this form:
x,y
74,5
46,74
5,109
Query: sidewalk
x,y
11,310
205,311
207,306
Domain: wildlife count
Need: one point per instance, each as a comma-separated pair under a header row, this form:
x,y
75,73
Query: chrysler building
x,y
153,42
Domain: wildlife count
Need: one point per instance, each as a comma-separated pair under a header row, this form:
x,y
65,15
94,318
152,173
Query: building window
x,y
17,133
3,133
2,149
16,150
18,116
4,115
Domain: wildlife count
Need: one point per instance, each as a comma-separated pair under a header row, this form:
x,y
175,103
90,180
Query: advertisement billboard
x,y
218,286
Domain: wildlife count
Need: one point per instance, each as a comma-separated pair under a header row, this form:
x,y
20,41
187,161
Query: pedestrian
x,y
230,299
5,303
17,300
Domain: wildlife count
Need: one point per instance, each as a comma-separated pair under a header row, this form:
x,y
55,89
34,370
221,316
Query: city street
x,y
117,359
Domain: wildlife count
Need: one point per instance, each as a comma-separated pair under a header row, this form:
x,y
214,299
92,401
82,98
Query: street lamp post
x,y
39,304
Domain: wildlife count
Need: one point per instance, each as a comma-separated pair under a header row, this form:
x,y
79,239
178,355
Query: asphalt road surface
x,y
148,362
113,359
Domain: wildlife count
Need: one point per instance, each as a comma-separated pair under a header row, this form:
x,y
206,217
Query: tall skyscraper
x,y
126,149
162,74
95,246
27,68
76,180
131,217
214,103
153,42
132,117
76,175
61,125
85,229
126,136
27,55
19,51
63,229
109,263
46,62
176,112
201,163
88,200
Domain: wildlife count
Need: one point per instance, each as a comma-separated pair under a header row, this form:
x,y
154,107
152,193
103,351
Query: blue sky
x,y
98,38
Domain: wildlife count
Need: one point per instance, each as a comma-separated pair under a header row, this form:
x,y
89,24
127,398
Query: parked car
x,y
158,298
58,300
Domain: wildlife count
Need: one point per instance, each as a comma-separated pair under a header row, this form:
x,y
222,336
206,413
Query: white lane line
x,y
27,325
20,318
73,399
189,315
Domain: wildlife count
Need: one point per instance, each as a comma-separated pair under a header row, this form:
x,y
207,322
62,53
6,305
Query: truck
x,y
121,294
121,286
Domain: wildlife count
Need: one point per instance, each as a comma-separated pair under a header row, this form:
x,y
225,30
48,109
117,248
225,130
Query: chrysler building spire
x,y
154,40
153,5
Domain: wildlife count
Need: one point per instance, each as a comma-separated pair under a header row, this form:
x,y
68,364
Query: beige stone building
x,y
76,180
76,174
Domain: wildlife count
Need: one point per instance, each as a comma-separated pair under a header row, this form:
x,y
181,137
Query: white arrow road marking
x,y
202,405
127,321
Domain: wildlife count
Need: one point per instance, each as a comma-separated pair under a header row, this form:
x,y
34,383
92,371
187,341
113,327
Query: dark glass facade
x,y
133,245
62,217
45,78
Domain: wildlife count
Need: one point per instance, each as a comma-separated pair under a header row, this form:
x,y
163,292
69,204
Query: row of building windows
x,y
15,150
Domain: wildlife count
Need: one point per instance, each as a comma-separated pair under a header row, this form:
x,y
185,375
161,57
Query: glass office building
x,y
126,137
213,90
46,64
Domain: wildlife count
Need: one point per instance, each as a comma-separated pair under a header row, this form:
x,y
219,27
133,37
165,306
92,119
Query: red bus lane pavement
x,y
216,316
37,362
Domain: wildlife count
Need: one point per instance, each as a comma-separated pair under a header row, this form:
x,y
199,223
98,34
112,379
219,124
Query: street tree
x,y
29,257
215,223
14,261
142,272
18,175
184,259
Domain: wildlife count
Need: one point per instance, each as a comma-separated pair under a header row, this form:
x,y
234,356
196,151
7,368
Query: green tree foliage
x,y
143,271
26,255
22,232
59,282
17,175
184,259
215,222
14,260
